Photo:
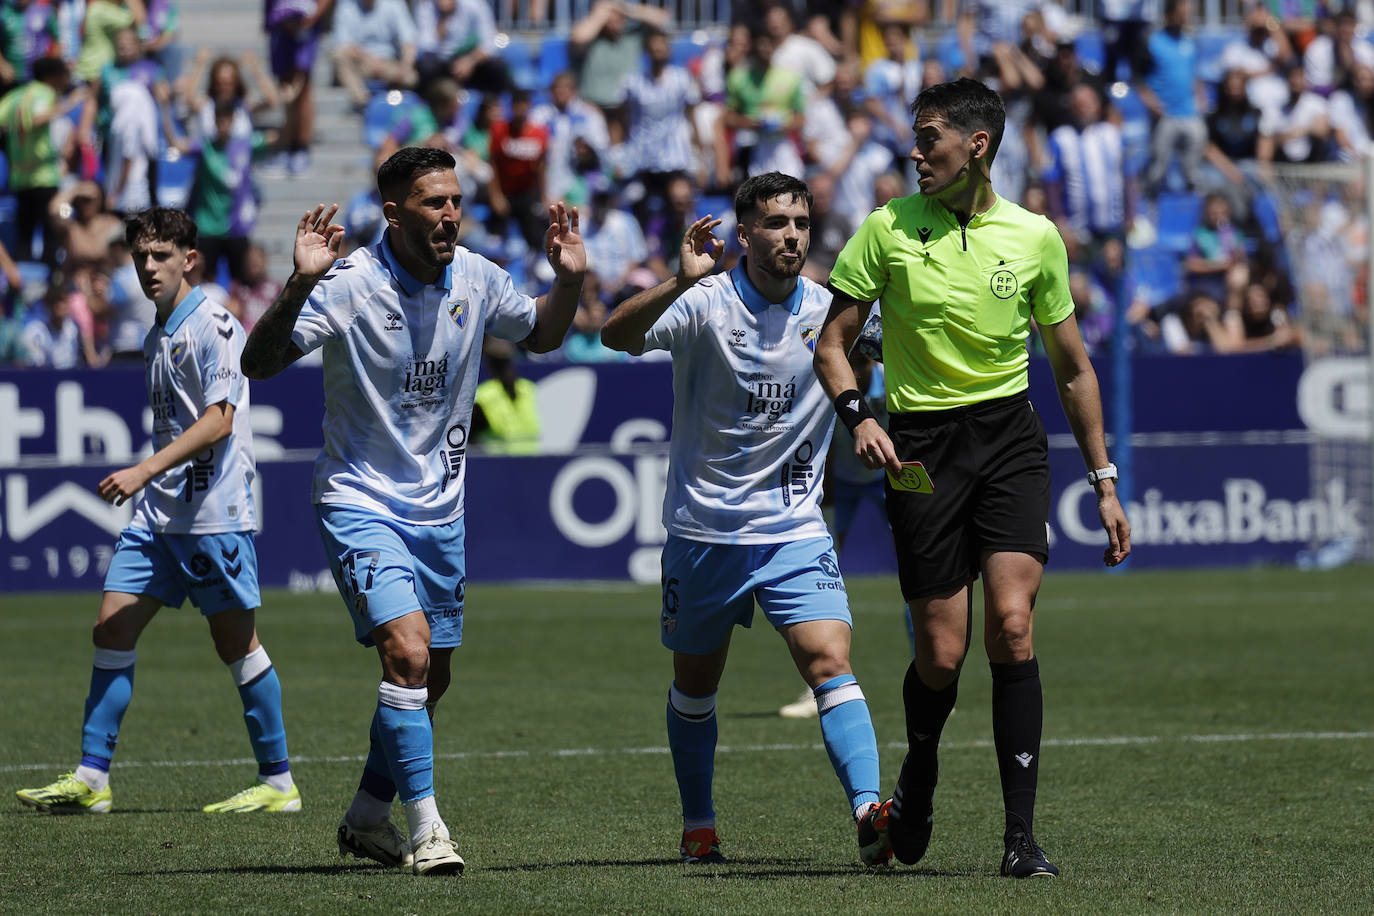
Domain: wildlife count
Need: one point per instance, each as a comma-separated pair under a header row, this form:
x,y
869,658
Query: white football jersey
x,y
400,369
751,423
190,363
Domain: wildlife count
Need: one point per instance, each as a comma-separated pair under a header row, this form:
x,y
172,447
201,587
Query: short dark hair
x,y
968,106
395,176
162,224
767,186
46,69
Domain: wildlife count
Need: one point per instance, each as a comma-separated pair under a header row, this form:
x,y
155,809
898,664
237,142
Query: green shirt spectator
x,y
104,18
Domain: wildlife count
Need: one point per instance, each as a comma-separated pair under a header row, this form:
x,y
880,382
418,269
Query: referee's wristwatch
x,y
1101,474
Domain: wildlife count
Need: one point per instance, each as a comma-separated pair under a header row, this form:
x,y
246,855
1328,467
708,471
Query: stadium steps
x,y
340,163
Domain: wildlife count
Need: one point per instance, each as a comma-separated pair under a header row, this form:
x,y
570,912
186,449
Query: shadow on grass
x,y
341,869
732,871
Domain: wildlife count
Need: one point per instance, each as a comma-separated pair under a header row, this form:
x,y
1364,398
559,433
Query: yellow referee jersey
x,y
956,301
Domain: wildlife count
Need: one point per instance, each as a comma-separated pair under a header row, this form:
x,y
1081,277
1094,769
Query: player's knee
x,y
1010,637
823,666
114,633
406,662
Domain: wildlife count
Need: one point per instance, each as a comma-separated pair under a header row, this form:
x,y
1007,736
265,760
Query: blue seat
x,y
553,58
520,60
950,55
686,48
1266,212
1092,52
4,171
383,111
1177,215
9,236
1210,44
718,205
174,175
1154,273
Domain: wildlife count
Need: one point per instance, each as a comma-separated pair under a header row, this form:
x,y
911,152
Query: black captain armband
x,y
852,409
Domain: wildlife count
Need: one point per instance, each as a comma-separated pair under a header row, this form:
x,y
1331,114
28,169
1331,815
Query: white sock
x,y
96,779
282,782
422,815
367,809
863,809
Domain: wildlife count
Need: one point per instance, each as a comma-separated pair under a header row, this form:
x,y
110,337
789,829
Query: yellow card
x,y
914,479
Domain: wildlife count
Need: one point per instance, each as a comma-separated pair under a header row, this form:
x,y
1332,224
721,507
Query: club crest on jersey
x,y
458,311
809,333
178,353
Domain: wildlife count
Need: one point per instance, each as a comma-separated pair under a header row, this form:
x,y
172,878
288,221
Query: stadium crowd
x,y
1157,148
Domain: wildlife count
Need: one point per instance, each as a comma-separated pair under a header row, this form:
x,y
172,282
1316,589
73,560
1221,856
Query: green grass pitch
x,y
1209,747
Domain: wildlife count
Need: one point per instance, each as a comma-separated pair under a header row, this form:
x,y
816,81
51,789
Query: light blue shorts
x,y
710,588
387,569
218,571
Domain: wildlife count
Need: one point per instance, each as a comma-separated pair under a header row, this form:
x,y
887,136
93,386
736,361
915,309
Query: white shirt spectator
x,y
1263,85
133,139
1319,61
660,137
615,246
1346,116
381,31
894,85
806,57
1297,115
1089,165
470,25
49,349
580,119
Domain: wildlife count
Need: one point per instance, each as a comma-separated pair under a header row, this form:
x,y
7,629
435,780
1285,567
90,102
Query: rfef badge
x,y
913,479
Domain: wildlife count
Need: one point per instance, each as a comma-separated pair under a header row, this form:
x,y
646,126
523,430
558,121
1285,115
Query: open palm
x,y
563,242
317,241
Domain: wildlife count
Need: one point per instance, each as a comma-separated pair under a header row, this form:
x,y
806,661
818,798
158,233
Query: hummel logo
x,y
226,333
924,233
1024,759
736,337
223,316
393,321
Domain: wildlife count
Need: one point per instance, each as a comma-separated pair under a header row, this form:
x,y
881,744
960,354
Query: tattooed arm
x,y
270,349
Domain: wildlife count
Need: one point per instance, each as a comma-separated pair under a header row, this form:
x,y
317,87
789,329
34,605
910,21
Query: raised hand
x,y
317,242
563,243
701,251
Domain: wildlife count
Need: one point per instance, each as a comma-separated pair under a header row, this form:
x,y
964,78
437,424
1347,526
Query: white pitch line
x,y
1109,741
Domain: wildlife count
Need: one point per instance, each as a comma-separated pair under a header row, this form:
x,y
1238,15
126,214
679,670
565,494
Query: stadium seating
x,y
553,58
1265,210
174,175
1154,273
1177,215
382,112
8,235
525,69
4,171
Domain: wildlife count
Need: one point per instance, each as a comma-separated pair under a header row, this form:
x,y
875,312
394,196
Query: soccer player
x,y
750,431
191,532
401,323
959,273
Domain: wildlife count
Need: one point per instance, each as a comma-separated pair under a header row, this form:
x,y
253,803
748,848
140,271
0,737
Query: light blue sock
x,y
377,780
692,739
112,689
260,691
847,730
407,739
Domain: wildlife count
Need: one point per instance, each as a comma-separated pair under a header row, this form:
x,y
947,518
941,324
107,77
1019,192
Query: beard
x,y
423,245
784,268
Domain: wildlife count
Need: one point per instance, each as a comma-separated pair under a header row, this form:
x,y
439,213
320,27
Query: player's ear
x,y
192,259
391,212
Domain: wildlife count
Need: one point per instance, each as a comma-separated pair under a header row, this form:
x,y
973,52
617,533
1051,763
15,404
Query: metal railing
x,y
534,15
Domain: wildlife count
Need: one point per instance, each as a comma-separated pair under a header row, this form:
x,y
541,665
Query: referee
x,y
959,274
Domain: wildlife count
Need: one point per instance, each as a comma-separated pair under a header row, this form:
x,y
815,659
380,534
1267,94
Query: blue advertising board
x,y
1220,479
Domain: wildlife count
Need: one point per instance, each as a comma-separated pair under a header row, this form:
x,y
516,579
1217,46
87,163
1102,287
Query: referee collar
x,y
409,284
183,311
755,300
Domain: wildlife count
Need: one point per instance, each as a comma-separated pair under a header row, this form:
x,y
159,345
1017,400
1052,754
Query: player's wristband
x,y
852,409
1101,474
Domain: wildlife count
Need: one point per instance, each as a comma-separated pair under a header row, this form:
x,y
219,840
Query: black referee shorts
x,y
989,466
